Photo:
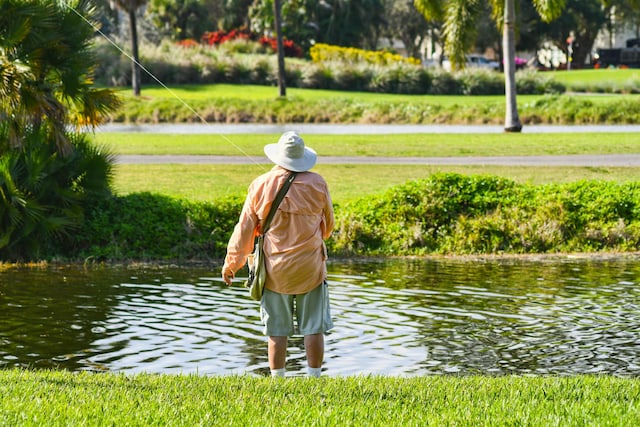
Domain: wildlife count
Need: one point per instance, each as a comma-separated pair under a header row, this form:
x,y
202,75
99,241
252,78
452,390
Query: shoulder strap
x,y
276,202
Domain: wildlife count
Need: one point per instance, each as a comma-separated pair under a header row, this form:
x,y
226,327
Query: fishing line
x,y
157,80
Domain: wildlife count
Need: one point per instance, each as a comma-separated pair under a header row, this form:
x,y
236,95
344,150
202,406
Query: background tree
x,y
131,7
622,15
46,71
583,19
106,16
404,23
181,19
236,14
298,20
277,9
353,23
459,19
630,14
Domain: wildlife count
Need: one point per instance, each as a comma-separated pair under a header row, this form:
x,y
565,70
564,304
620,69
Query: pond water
x,y
393,317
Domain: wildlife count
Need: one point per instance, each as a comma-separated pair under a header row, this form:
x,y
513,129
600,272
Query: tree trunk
x,y
512,121
282,86
135,67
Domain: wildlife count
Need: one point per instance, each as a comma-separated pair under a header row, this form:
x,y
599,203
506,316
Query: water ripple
x,y
401,317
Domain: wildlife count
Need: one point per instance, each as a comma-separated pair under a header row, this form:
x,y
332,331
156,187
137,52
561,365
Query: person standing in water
x,y
294,250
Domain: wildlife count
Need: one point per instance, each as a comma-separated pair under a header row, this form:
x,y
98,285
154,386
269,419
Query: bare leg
x,y
314,346
277,352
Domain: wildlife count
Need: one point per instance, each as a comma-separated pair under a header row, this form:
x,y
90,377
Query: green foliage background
x,y
444,214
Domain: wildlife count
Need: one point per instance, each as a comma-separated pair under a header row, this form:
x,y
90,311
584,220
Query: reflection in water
x,y
393,317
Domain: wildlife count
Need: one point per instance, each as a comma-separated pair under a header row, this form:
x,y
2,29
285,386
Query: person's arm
x,y
241,242
328,220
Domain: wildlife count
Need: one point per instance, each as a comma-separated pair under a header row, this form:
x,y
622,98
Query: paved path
x,y
609,160
601,160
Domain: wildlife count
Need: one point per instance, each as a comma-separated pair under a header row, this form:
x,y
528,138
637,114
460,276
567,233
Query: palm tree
x,y
131,7
48,171
277,14
46,60
459,18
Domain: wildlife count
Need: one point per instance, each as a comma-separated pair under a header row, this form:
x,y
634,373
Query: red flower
x,y
187,43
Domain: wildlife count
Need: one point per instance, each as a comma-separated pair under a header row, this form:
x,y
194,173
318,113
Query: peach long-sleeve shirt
x,y
295,253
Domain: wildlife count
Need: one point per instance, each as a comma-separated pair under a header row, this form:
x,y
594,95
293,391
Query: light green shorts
x,y
312,312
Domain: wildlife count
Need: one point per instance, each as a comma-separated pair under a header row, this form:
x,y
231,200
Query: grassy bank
x,y
211,183
441,214
260,104
62,398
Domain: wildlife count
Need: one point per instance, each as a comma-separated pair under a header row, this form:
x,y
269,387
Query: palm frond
x,y
432,10
549,9
460,29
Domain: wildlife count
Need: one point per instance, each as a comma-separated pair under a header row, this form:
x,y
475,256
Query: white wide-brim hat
x,y
291,153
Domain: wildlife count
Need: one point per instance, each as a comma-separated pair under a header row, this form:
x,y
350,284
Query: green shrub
x,y
415,217
44,195
451,213
263,73
239,72
444,214
317,76
321,52
145,226
532,82
481,82
112,68
444,83
352,77
401,79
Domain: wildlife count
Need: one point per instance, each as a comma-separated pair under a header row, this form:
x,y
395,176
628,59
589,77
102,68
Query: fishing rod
x,y
164,86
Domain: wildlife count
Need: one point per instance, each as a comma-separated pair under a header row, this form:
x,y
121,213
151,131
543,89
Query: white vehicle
x,y
474,61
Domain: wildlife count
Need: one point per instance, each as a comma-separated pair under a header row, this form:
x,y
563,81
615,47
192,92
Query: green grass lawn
x,y
191,93
346,182
257,92
589,76
84,399
410,145
605,81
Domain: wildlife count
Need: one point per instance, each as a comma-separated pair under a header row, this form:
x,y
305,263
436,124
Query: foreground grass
x,y
406,145
210,183
62,398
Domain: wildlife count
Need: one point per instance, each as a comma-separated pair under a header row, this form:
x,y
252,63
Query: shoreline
x,y
215,263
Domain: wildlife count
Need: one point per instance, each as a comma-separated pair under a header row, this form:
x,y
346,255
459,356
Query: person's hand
x,y
227,275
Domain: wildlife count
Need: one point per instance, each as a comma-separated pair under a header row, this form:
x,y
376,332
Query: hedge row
x,y
172,64
444,214
458,214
